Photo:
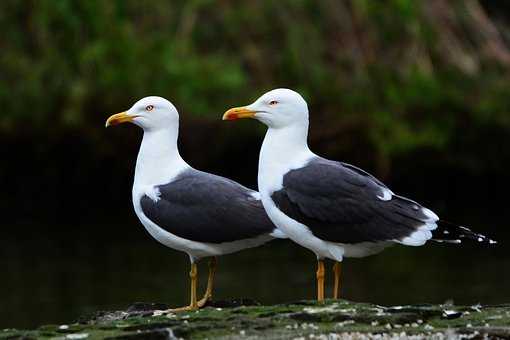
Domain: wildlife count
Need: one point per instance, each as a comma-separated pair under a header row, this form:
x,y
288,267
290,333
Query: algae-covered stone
x,y
302,319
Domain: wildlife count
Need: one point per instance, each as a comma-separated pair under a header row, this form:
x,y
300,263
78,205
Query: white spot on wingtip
x,y
492,242
387,194
430,214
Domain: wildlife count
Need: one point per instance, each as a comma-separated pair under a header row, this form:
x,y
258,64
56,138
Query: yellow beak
x,y
238,112
119,118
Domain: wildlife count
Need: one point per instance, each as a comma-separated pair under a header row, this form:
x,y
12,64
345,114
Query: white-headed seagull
x,y
195,212
332,208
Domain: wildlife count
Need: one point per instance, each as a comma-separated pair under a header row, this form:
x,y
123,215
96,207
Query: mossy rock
x,y
302,319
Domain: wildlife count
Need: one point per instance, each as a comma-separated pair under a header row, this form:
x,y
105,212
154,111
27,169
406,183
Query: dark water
x,y
55,275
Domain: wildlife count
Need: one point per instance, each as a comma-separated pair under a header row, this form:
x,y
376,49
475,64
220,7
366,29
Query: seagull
x,y
332,208
192,211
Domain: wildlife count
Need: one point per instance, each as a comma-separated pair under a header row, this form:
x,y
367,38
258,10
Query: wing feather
x,y
341,203
207,208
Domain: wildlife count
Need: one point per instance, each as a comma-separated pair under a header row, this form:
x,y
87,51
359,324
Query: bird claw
x,y
200,304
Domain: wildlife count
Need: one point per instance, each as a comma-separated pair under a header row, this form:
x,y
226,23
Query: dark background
x,y
418,93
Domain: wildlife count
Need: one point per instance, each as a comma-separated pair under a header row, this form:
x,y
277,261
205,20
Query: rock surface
x,y
299,320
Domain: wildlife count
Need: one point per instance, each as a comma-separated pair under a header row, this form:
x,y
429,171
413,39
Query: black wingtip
x,y
451,233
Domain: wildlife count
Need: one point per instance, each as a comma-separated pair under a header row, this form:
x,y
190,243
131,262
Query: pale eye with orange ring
x,y
273,102
149,108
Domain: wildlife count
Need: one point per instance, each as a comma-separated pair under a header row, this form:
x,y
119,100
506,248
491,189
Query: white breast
x,y
281,152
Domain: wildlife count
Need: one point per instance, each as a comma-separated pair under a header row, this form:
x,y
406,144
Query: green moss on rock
x,y
299,319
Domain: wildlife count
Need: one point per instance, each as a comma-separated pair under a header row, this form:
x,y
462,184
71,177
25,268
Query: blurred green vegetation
x,y
408,74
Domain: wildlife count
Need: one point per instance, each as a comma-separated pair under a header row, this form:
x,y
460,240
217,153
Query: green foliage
x,y
67,64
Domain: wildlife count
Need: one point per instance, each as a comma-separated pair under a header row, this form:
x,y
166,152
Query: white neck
x,y
158,160
283,149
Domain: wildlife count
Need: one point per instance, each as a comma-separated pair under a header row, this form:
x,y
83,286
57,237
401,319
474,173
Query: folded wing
x,y
341,203
202,207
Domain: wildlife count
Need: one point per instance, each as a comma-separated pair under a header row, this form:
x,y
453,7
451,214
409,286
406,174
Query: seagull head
x,y
278,108
149,113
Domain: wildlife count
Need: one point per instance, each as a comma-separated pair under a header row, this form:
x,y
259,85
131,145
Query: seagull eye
x,y
273,102
149,107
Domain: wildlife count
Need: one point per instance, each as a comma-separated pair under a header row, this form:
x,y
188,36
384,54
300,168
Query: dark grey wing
x,y
341,203
206,208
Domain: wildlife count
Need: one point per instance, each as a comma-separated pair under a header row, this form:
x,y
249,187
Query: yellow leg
x,y
193,305
320,280
193,275
210,282
337,269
